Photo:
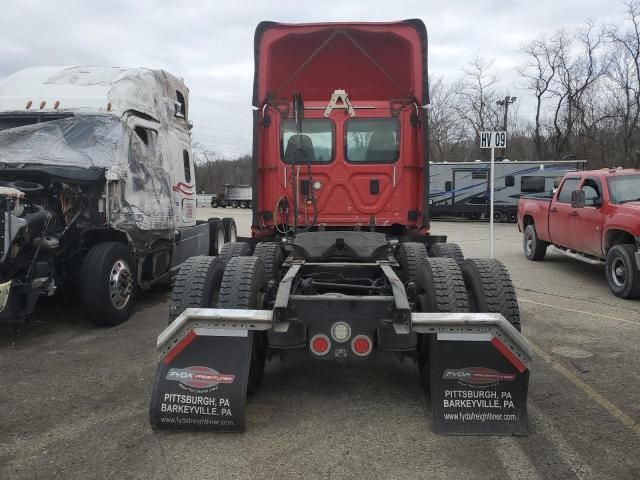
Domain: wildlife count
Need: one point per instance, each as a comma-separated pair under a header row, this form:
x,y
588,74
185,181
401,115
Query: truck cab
x,y
593,216
96,186
339,127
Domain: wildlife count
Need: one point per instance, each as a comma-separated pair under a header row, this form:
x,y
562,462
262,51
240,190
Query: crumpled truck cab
x,y
96,186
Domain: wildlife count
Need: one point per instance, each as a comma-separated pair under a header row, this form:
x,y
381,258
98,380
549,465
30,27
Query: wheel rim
x,y
233,235
618,272
528,243
120,284
219,240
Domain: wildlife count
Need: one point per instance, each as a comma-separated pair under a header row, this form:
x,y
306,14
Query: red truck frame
x,y
593,216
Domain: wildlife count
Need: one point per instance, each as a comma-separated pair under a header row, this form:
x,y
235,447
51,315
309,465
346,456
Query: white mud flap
x,y
201,379
479,374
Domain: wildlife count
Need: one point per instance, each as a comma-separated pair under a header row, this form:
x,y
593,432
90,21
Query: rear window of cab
x,y
315,144
372,140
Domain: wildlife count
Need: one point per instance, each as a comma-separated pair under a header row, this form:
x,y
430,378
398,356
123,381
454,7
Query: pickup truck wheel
x,y
197,285
108,283
230,229
440,288
244,286
234,249
491,289
534,248
409,256
272,257
622,271
448,250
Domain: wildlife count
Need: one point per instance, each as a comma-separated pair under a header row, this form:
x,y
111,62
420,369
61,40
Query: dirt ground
x,y
75,398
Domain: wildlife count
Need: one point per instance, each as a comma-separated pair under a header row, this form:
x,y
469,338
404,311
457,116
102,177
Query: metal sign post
x,y
492,140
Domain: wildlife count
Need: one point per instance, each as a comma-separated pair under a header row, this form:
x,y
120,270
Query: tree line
x,y
213,171
585,88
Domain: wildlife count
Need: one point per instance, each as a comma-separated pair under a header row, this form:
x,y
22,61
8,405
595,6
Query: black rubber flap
x,y
201,384
477,388
362,246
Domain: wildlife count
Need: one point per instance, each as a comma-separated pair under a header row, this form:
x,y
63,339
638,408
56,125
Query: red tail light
x,y
320,344
361,345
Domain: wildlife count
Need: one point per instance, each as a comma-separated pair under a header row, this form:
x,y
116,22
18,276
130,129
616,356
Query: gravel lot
x,y
75,398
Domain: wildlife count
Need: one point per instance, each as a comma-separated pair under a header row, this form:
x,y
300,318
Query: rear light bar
x,y
320,344
361,345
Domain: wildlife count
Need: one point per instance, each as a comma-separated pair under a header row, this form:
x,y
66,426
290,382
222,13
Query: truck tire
x,y
272,257
491,289
234,204
234,249
214,203
409,256
534,248
108,283
513,216
230,229
216,237
448,250
440,288
622,271
197,285
244,286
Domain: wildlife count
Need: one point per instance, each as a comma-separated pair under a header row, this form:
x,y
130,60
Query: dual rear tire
x,y
480,285
235,280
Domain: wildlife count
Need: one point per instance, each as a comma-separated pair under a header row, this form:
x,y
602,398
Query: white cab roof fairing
x,y
90,89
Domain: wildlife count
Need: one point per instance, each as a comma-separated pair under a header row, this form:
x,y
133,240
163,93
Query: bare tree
x,y
624,73
540,71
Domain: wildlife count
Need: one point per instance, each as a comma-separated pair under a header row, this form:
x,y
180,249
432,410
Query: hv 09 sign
x,y
493,140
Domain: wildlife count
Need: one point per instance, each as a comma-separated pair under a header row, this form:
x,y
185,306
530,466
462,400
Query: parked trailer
x,y
235,196
462,188
342,264
96,188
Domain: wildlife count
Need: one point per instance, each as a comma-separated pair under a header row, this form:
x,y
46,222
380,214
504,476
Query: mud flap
x,y
201,381
478,386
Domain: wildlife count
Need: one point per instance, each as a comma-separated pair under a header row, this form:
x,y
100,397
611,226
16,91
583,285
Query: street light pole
x,y
508,100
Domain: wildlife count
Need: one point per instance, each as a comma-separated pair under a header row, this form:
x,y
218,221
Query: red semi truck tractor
x,y
341,263
593,216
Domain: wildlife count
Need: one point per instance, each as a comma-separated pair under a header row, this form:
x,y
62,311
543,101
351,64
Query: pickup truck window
x,y
625,188
316,143
568,186
530,184
591,189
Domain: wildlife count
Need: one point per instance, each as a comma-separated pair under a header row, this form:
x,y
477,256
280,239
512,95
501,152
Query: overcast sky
x,y
210,44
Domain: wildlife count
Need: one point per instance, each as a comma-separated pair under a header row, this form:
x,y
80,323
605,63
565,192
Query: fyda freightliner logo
x,y
199,377
480,376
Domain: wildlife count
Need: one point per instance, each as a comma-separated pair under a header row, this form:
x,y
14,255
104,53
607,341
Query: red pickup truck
x,y
593,216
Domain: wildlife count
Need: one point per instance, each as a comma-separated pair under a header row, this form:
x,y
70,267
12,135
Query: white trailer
x,y
97,187
462,188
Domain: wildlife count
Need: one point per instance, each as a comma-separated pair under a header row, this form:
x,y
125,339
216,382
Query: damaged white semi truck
x,y
97,188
